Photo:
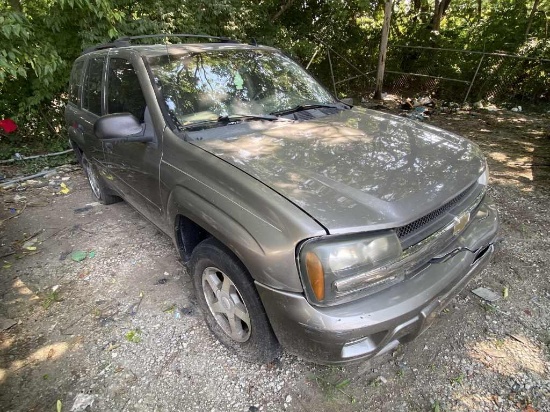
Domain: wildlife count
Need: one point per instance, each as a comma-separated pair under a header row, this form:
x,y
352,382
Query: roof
x,y
212,43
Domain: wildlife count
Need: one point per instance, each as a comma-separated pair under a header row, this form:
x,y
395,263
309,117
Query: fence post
x,y
313,57
332,74
473,79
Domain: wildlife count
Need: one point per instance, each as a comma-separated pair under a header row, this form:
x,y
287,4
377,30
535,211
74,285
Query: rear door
x,y
133,166
92,107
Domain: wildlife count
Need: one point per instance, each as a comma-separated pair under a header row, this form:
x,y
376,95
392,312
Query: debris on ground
x,y
6,323
83,402
486,294
79,255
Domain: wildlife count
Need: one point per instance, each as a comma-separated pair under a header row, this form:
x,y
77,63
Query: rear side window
x,y
124,93
75,82
91,93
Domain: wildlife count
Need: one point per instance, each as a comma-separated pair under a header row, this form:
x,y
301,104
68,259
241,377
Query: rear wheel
x,y
99,189
230,303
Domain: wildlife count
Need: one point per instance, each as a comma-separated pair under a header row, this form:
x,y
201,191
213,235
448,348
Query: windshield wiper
x,y
230,118
236,117
302,107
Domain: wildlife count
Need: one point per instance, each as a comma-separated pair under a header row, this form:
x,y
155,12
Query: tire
x,y
225,290
99,189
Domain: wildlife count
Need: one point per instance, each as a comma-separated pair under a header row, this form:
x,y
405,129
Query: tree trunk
x,y
284,7
479,9
383,49
440,7
531,16
436,20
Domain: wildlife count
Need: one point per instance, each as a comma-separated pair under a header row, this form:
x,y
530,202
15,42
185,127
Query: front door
x,y
132,167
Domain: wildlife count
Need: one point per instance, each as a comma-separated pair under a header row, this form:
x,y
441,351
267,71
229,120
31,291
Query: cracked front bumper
x,y
377,323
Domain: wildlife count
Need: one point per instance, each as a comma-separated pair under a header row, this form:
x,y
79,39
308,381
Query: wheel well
x,y
188,236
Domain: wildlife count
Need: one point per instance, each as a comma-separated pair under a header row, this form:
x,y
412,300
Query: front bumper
x,y
377,323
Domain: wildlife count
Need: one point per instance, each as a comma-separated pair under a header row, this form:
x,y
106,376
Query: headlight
x,y
337,268
484,178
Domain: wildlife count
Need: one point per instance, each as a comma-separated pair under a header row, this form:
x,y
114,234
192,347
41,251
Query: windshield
x,y
199,87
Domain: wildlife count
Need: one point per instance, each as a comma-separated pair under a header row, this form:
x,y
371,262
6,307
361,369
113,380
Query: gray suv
x,y
333,231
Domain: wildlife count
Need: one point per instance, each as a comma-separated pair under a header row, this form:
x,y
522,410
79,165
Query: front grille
x,y
413,227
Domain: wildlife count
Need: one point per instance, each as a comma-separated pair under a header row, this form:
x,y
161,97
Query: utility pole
x,y
383,48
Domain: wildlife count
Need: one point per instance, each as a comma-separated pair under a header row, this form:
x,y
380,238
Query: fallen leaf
x,y
31,248
79,255
64,189
50,353
91,254
59,406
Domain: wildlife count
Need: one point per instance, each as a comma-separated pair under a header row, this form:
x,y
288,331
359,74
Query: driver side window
x,y
124,93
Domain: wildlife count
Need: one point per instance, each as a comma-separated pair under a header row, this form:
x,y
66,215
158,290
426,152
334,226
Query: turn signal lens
x,y
316,275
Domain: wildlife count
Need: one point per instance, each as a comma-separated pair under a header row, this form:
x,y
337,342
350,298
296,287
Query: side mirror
x,y
123,127
347,100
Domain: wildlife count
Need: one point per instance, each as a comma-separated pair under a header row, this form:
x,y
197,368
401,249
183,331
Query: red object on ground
x,y
8,125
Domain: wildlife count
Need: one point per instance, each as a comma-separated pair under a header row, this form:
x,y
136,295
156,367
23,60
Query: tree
x,y
383,50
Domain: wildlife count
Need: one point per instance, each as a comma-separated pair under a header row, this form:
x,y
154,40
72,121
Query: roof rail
x,y
114,44
127,40
184,35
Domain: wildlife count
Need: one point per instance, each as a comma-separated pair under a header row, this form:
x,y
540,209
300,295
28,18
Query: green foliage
x,y
39,40
133,336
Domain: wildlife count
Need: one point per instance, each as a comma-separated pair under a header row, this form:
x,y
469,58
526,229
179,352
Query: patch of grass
x,y
458,380
488,308
331,383
133,336
50,299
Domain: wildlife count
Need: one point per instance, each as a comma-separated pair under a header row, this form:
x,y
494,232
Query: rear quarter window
x,y
75,82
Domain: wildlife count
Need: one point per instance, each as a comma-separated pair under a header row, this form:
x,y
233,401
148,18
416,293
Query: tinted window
x,y
75,82
124,93
91,94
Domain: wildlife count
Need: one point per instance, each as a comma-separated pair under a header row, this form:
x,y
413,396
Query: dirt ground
x,y
119,330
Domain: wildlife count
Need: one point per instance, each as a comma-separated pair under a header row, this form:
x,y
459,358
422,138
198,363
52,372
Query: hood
x,y
357,170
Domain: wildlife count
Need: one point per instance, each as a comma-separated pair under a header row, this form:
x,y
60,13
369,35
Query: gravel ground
x,y
120,330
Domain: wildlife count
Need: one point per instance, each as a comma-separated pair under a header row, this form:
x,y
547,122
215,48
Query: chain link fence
x,y
463,75
448,74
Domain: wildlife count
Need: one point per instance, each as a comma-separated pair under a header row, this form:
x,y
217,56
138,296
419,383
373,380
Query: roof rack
x,y
127,40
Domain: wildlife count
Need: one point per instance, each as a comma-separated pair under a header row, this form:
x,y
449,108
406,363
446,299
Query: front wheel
x,y
230,303
99,190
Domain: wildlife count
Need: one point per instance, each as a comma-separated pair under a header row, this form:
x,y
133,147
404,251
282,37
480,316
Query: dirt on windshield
x,y
98,314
